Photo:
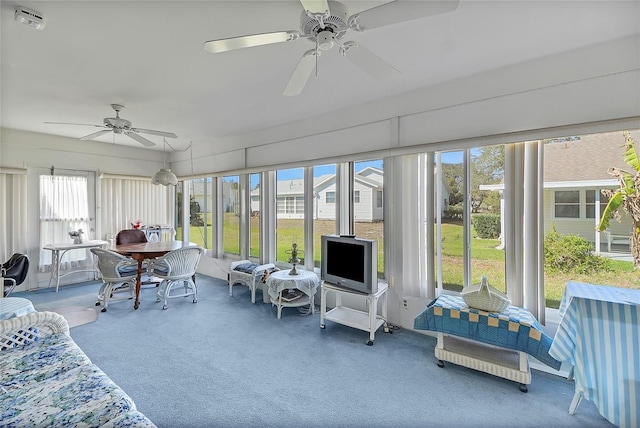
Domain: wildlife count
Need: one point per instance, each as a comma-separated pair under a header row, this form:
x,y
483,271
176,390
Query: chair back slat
x,y
182,262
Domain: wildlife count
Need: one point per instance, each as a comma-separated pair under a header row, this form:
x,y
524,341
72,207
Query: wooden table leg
x,y
140,259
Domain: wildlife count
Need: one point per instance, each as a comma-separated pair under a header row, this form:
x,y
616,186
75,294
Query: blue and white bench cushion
x,y
514,328
248,273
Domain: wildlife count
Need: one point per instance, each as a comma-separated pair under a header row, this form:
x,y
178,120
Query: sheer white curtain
x,y
64,207
13,214
125,200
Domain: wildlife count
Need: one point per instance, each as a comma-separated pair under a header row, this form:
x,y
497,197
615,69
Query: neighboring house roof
x,y
586,159
582,162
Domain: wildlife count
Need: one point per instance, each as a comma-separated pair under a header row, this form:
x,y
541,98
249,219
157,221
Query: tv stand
x,y
368,321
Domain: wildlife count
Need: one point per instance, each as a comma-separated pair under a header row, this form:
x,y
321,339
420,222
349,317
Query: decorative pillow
x,y
485,297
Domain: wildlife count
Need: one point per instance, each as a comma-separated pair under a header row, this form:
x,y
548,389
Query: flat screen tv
x,y
350,262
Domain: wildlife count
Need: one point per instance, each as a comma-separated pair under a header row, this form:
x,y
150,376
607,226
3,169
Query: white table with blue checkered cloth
x,y
600,336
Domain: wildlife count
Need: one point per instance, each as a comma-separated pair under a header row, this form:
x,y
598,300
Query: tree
x,y
195,217
487,167
626,197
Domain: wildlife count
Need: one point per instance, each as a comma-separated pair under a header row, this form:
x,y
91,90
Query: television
x,y
350,262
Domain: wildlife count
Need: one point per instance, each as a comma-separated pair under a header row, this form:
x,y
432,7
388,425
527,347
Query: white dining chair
x,y
177,270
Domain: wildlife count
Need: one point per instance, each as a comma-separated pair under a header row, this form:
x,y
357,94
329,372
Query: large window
x,y
254,225
324,206
64,207
289,213
231,214
368,213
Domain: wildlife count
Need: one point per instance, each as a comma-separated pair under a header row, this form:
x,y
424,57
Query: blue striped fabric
x,y
600,336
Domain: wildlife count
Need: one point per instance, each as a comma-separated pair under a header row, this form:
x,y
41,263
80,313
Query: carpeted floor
x,y
224,362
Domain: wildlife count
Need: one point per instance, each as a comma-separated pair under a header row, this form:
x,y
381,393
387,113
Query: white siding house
x,y
367,204
575,172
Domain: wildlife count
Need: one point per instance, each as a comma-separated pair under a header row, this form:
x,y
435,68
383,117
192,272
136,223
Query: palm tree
x,y
626,198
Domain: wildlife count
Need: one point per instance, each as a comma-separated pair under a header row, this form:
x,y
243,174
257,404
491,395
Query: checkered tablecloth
x,y
514,328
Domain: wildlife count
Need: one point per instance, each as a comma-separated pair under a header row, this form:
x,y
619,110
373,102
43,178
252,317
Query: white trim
x,y
561,184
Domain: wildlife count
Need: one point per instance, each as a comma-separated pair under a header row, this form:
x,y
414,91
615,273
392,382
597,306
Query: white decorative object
x,y
76,235
485,297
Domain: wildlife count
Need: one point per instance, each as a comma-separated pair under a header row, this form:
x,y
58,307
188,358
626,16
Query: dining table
x,y
147,251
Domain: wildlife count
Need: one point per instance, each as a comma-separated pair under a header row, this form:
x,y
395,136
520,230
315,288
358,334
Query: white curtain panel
x,y
124,201
13,215
64,207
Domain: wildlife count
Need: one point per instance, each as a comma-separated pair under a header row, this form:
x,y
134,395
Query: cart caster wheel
x,y
104,310
369,342
97,303
440,363
164,307
523,388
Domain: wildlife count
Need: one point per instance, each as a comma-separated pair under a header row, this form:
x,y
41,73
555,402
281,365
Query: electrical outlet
x,y
405,303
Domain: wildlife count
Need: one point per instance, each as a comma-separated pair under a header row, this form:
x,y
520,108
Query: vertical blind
x,y
124,201
13,214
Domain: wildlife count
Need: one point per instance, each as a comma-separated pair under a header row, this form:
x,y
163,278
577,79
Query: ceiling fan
x,y
325,23
117,125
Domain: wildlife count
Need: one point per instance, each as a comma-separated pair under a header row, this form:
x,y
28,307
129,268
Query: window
x,y
368,221
324,209
64,207
254,225
567,204
330,197
231,214
590,204
290,212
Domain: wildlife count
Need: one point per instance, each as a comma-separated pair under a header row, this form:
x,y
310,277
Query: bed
x,y
493,342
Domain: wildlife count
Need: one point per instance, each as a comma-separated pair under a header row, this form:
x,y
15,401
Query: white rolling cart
x,y
368,321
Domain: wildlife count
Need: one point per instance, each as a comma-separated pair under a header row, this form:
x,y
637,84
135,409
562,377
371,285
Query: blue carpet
x,y
224,362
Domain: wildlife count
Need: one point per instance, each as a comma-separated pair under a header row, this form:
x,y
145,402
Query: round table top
x,y
11,307
284,274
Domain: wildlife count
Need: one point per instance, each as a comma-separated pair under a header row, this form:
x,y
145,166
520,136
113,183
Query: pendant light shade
x,y
164,176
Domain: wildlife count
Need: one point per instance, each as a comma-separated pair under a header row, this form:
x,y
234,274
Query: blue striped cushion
x,y
128,270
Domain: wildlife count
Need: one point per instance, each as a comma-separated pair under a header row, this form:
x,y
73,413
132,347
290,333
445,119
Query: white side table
x,y
305,281
59,250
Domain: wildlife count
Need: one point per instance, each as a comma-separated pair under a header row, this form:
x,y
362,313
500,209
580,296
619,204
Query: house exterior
x,y
575,172
367,204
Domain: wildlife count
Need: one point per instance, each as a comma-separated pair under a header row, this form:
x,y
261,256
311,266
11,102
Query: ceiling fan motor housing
x,y
310,26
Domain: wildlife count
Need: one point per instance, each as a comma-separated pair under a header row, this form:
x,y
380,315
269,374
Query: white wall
x,y
593,84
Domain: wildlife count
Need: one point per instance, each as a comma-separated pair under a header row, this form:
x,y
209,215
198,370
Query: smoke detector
x,y
29,17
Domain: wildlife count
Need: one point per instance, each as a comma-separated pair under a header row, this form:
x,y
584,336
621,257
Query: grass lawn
x,y
486,260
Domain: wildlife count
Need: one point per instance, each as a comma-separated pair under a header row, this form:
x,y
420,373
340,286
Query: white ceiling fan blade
x,y
302,73
399,11
369,62
67,123
140,139
95,134
223,45
152,132
317,6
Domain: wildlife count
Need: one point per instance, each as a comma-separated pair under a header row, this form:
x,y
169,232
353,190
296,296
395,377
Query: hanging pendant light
x,y
164,176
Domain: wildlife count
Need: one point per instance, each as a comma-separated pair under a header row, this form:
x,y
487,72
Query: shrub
x,y
454,212
487,226
571,253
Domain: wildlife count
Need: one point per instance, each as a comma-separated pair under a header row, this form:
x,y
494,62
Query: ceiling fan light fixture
x,y
165,177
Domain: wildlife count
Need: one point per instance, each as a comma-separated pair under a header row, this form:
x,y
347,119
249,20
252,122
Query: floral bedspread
x,y
51,382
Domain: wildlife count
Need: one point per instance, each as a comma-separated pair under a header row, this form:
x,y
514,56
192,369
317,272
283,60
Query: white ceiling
x,y
149,56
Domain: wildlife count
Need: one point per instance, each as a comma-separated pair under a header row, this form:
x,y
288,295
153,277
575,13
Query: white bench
x,y
250,274
616,239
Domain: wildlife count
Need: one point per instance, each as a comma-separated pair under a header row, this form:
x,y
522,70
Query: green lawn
x,y
486,260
